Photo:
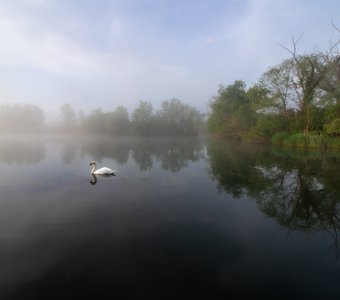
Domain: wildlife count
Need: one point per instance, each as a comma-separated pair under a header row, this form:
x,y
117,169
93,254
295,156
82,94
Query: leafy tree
x,y
310,76
296,86
231,113
333,128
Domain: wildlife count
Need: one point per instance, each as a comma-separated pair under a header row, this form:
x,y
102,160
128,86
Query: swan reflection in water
x,y
93,180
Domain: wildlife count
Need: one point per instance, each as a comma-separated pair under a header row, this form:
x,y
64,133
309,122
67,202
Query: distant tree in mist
x,y
177,118
18,118
118,121
142,119
111,123
174,118
68,117
94,122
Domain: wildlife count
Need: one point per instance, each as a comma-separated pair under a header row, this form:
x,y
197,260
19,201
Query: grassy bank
x,y
309,140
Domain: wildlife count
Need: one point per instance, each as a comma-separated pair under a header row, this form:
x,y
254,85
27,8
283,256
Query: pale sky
x,y
106,53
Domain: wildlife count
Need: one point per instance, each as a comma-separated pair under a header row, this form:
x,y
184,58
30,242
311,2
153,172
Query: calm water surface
x,y
182,218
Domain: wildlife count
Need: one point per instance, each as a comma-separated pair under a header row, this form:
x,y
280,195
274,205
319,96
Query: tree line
x,y
296,102
21,118
172,119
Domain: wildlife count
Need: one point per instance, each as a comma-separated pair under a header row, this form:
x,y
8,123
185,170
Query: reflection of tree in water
x,y
21,151
233,166
115,148
173,153
298,189
305,195
142,153
68,154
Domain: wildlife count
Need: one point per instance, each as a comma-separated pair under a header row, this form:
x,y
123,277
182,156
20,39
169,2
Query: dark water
x,y
182,218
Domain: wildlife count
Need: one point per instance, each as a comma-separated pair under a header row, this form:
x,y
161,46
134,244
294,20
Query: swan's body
x,y
101,171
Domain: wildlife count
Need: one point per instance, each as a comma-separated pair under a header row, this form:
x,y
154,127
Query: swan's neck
x,y
93,168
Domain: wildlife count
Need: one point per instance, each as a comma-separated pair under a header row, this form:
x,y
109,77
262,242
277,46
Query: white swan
x,y
101,171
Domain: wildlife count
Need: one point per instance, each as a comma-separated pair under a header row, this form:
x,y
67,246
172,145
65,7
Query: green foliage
x,y
315,141
292,104
296,84
276,81
231,113
333,128
332,142
305,140
268,125
331,111
279,138
296,139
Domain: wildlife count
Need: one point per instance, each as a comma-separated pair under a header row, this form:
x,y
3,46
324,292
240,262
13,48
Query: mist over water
x,y
174,118
182,217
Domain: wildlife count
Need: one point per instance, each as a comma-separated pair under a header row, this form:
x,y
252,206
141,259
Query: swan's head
x,y
92,163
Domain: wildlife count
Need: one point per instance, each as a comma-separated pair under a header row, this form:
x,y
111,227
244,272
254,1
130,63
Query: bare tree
x,y
310,76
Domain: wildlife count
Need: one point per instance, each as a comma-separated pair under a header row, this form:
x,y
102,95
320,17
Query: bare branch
x,y
335,27
294,43
286,48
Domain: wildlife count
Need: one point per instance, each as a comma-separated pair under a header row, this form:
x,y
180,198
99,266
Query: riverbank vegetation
x,y
296,102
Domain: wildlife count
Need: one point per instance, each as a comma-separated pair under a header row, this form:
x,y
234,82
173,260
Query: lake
x,y
183,217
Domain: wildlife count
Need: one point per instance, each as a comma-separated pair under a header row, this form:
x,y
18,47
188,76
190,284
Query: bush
x,y
333,128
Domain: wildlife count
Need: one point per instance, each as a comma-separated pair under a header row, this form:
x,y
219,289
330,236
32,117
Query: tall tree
x,y
306,75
